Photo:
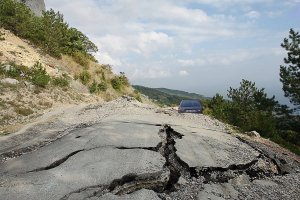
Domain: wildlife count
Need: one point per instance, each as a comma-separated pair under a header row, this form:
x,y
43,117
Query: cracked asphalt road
x,y
144,154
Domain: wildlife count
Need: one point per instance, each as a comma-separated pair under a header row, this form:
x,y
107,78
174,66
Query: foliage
x,y
1,36
93,87
115,83
250,109
23,111
119,82
103,76
81,59
102,86
137,96
61,81
39,75
50,32
2,70
218,106
123,79
290,74
14,16
84,77
14,70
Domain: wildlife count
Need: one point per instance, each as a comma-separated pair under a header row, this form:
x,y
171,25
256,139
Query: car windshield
x,y
190,104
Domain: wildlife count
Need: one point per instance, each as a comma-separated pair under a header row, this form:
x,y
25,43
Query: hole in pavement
x,y
79,136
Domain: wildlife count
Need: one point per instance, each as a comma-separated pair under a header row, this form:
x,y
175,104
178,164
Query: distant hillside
x,y
166,96
182,93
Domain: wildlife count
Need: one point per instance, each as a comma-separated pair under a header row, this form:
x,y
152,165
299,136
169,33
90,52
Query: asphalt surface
x,y
146,156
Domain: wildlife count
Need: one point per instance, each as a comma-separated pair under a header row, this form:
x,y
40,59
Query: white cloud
x,y
157,39
229,58
105,58
153,41
183,73
150,73
272,14
186,62
253,14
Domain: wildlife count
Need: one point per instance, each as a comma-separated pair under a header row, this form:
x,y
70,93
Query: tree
x,y
14,16
290,74
251,109
218,106
50,32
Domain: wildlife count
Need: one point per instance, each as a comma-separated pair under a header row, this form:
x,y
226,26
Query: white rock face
x,y
37,6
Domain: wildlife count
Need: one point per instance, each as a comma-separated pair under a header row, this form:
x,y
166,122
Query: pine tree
x,y
290,73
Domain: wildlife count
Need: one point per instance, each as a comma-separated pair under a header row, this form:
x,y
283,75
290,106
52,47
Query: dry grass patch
x,y
24,111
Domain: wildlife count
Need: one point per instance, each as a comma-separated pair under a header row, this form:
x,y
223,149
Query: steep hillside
x,y
45,64
22,99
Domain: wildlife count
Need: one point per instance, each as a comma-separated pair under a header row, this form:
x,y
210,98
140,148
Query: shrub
x,y
61,81
103,76
23,111
76,77
39,76
123,79
18,71
2,70
102,86
84,77
50,32
15,71
93,87
137,96
116,83
81,59
1,36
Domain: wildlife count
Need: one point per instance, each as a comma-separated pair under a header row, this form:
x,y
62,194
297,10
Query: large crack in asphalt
x,y
60,161
57,136
160,182
166,182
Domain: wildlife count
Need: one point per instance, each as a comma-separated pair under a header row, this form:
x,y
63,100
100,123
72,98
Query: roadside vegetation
x,y
49,32
65,72
250,108
37,75
55,37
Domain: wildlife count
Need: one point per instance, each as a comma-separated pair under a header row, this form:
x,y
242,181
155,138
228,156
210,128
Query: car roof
x,y
190,103
190,100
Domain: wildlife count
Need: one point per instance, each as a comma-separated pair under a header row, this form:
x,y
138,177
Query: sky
x,y
202,46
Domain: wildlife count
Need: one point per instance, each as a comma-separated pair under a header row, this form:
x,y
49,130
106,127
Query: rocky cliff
x,y
37,6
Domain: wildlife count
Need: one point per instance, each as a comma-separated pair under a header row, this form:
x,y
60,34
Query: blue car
x,y
190,106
